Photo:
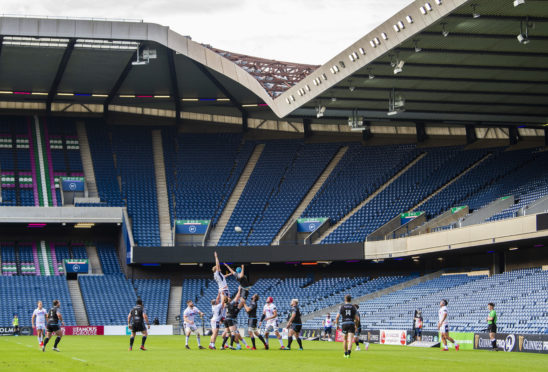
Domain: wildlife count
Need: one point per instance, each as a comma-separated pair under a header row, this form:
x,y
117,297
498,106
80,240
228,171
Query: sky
x,y
303,31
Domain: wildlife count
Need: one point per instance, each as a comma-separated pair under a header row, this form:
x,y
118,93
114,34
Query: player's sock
x,y
39,340
281,342
345,352
131,339
253,341
46,340
143,340
225,339
494,343
244,342
186,340
357,343
289,341
349,352
57,342
262,339
232,340
198,337
300,342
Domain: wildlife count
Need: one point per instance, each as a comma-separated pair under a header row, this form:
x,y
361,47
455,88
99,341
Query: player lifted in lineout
x,y
270,317
220,278
239,274
189,325
39,315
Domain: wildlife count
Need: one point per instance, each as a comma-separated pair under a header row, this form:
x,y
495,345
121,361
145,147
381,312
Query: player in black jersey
x,y
349,318
251,311
54,320
136,320
294,325
241,278
232,311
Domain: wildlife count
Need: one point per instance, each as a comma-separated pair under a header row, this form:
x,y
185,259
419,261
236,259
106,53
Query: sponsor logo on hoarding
x,y
509,343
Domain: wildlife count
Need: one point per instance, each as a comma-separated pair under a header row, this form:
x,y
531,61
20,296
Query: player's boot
x,y
457,347
253,348
201,347
358,348
247,347
266,347
187,347
283,348
43,348
143,348
130,348
238,347
212,347
55,349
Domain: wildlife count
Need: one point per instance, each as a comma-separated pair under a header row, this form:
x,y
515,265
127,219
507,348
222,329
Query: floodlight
x,y
523,39
399,67
320,110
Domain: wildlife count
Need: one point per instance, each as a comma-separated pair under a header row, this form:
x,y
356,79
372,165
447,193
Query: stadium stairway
x,y
94,262
161,189
313,191
370,197
370,296
87,162
463,173
77,303
216,233
174,306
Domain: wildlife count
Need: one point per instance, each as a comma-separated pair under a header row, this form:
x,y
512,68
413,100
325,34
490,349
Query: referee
x,y
492,325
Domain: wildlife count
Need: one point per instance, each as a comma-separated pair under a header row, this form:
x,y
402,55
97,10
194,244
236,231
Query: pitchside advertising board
x,y
511,342
309,224
191,227
76,266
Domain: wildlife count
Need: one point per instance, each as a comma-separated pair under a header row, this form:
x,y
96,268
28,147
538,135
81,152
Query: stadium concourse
x,y
409,169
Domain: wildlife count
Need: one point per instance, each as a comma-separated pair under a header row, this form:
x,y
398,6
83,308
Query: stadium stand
x,y
519,298
19,294
133,149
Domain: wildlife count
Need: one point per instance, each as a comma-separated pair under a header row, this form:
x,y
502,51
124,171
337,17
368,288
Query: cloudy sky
x,y
305,31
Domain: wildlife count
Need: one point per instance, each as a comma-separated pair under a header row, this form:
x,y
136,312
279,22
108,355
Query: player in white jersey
x,y
219,312
443,326
327,326
190,326
270,316
220,278
40,316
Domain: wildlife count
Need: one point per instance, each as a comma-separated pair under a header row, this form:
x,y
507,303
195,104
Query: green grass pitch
x,y
167,353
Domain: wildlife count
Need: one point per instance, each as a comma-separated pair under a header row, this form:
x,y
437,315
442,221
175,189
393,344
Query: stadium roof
x,y
461,63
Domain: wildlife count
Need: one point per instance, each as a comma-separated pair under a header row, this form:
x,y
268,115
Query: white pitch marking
x,y
80,360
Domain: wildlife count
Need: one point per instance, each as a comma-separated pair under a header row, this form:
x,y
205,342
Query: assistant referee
x,y
492,325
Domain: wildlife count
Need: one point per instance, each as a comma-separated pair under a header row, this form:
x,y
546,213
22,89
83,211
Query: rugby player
x,y
136,320
218,313
189,325
358,333
270,316
242,279
53,317
294,325
230,319
327,326
251,311
220,278
349,319
417,325
40,315
492,325
443,326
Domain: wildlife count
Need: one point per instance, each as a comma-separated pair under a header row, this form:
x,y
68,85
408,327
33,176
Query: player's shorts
x,y
53,327
348,328
296,327
224,292
252,324
444,328
190,326
215,324
271,327
328,330
138,327
492,328
228,323
41,326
